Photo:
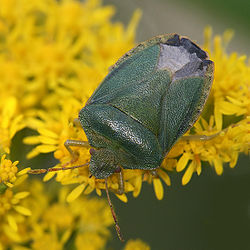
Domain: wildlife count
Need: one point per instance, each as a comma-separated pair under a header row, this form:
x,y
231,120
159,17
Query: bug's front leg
x,y
68,144
75,143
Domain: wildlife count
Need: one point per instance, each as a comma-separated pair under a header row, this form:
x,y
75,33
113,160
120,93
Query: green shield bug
x,y
149,99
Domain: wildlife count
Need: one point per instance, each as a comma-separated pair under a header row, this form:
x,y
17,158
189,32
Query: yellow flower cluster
x,y
43,221
53,221
11,121
12,215
8,170
136,245
52,56
226,118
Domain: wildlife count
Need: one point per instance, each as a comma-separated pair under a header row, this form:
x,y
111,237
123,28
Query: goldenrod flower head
x,y
8,170
136,245
87,218
37,218
90,241
12,213
10,117
9,175
226,115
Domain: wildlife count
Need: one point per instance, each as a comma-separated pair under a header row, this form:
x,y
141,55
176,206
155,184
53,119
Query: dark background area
x,y
211,212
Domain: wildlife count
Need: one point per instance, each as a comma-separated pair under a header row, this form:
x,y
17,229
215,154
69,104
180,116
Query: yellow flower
x,y
8,170
229,104
136,245
47,241
53,221
12,213
54,129
94,215
90,241
55,214
231,81
11,120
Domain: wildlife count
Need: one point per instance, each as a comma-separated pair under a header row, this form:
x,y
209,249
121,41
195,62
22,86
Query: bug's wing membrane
x,y
132,70
181,107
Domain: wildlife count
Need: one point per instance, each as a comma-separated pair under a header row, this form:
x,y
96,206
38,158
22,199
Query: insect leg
x,y
68,144
206,137
75,143
120,190
120,183
199,137
43,170
118,230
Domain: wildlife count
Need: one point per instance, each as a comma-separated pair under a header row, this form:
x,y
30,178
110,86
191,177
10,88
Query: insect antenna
x,y
118,230
63,167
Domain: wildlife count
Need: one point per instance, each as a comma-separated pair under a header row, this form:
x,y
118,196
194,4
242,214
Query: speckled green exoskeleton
x,y
149,99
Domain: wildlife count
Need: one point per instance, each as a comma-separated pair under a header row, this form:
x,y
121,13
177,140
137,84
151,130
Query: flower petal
x,y
182,162
122,197
188,174
218,166
158,188
138,184
12,222
22,210
164,176
76,192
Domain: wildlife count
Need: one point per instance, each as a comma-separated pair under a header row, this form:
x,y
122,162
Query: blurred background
x,y
189,17
211,212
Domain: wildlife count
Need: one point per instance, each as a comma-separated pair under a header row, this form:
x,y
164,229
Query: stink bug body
x,y
149,99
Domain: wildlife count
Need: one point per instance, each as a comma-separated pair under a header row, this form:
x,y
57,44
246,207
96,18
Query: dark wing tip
x,y
174,40
193,48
